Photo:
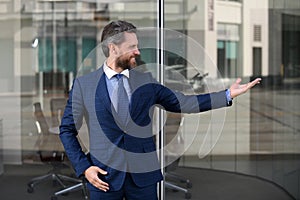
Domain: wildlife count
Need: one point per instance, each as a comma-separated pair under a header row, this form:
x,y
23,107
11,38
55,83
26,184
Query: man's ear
x,y
112,48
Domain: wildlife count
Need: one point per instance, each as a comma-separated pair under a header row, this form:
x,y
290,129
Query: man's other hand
x,y
91,174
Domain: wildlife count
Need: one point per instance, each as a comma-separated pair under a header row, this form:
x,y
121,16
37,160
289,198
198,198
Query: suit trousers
x,y
129,191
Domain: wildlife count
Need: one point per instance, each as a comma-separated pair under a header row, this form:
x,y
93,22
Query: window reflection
x,y
44,44
228,42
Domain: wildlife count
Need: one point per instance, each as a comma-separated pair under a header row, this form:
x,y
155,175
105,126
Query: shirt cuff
x,y
228,97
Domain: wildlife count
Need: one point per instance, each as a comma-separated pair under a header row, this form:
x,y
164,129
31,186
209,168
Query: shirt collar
x,y
110,73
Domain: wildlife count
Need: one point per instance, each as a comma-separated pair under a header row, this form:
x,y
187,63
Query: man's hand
x,y
91,174
237,89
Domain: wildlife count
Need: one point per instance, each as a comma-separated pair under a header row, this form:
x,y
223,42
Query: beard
x,y
124,62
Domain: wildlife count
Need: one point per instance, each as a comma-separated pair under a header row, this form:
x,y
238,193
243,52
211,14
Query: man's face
x,y
127,52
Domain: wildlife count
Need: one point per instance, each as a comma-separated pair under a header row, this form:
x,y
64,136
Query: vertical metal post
x,y
54,42
41,89
160,71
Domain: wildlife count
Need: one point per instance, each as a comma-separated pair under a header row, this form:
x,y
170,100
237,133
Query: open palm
x,y
237,88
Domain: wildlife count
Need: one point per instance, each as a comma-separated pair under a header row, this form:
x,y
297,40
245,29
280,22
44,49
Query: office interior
x,y
192,46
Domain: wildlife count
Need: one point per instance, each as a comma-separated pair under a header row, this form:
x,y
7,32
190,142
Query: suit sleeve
x,y
174,101
70,124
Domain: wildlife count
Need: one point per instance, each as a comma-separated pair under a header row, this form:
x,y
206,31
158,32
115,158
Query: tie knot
x,y
119,76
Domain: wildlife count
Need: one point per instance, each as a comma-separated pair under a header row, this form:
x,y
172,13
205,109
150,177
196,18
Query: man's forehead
x,y
130,37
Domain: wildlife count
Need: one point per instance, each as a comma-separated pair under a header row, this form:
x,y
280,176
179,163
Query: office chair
x,y
50,151
57,106
173,179
81,185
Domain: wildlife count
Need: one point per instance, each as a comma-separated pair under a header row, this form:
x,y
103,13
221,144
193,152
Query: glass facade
x,y
191,46
228,42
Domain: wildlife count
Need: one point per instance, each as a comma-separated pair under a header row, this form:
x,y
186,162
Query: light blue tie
x,y
123,101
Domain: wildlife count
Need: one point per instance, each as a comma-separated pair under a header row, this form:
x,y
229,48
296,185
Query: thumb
x,y
101,171
238,81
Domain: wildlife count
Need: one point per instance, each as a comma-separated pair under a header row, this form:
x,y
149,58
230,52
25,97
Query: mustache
x,y
126,63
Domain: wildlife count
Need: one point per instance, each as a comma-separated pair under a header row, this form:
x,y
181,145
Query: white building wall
x,y
228,12
210,38
255,12
247,14
197,28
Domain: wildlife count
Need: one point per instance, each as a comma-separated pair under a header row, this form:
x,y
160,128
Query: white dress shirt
x,y
112,84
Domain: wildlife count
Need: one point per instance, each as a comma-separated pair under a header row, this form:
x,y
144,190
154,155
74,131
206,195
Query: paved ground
x,y
206,185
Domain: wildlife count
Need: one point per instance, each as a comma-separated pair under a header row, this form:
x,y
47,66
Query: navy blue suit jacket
x,y
120,149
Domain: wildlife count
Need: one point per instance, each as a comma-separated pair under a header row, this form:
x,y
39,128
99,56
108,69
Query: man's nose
x,y
137,52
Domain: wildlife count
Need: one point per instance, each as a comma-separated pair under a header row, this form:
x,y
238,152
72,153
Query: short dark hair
x,y
114,33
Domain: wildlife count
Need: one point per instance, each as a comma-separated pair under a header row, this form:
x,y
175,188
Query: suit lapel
x,y
136,80
103,99
102,93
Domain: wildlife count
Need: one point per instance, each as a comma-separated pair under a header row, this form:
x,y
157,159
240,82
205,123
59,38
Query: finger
x,y
101,171
103,186
256,81
97,182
